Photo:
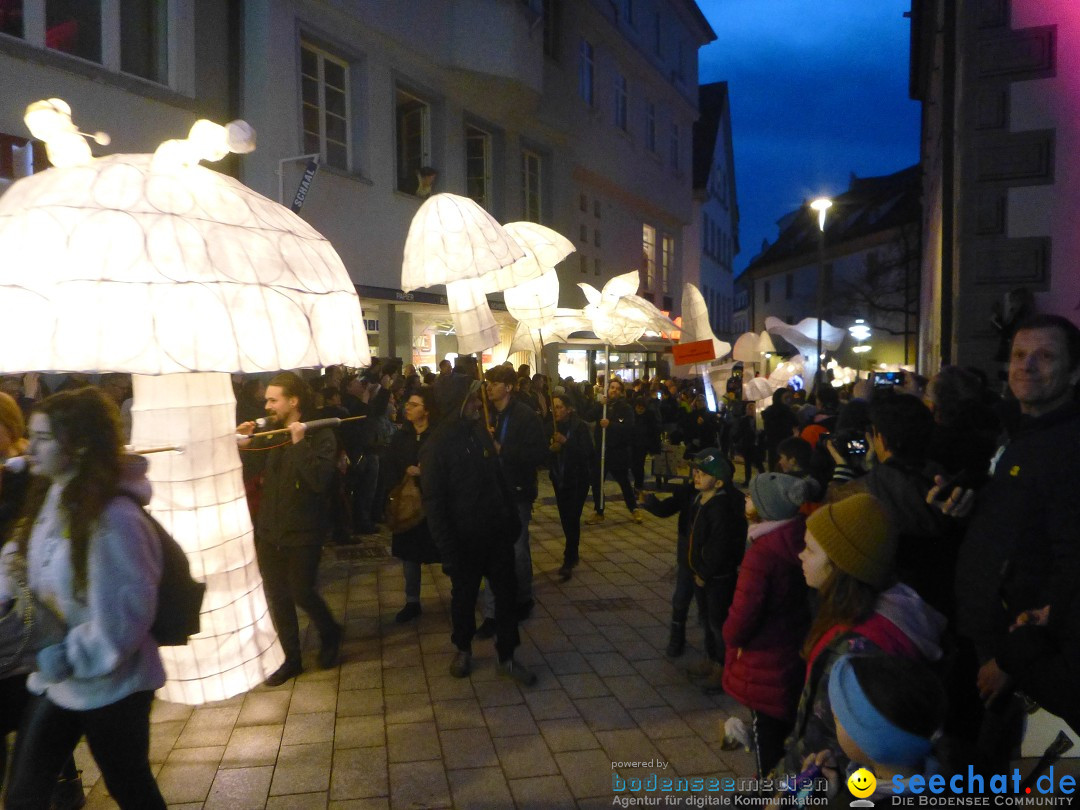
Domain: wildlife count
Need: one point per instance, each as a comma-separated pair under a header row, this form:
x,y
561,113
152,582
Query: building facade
x,y
998,82
868,268
142,72
576,115
712,240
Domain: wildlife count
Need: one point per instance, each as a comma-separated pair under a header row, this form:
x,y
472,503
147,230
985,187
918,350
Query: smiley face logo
x,y
861,783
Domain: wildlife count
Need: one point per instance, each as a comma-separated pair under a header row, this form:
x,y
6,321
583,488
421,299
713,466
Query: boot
x,y
677,640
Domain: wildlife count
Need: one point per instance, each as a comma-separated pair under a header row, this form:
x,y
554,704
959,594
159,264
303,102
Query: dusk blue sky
x,y
819,89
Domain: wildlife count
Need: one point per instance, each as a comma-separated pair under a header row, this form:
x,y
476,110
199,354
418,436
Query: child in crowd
x,y
887,713
711,541
849,560
770,615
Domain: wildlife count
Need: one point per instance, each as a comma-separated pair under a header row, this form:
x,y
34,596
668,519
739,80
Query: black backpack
x,y
179,596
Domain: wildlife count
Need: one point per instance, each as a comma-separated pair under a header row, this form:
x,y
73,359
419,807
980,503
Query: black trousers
x,y
769,736
495,561
570,502
617,465
637,467
289,574
119,739
718,594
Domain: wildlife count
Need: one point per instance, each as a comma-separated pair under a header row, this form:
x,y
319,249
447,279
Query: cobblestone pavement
x,y
390,728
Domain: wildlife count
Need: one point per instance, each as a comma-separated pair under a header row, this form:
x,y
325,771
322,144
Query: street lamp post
x,y
821,205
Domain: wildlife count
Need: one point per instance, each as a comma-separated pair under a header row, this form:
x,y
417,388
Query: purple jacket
x,y
768,623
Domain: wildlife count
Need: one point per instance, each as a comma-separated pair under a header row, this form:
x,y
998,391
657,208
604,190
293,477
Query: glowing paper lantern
x,y
453,241
160,267
557,329
532,301
803,336
695,321
618,315
757,389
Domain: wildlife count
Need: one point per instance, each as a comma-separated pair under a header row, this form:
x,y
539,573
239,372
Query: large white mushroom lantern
x,y
453,241
804,337
157,266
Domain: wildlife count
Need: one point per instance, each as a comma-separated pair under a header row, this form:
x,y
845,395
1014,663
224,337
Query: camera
x,y
887,379
848,443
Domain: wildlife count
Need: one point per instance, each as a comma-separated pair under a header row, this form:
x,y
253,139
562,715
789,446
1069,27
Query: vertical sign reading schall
x,y
305,184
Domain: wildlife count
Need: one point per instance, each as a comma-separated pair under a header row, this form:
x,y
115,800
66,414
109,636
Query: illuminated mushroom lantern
x,y
154,265
619,316
803,336
453,241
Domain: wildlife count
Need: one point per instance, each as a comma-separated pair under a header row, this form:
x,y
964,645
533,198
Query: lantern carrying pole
x,y
603,430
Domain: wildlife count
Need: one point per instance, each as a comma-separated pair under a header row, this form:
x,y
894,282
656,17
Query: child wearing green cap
x,y
712,538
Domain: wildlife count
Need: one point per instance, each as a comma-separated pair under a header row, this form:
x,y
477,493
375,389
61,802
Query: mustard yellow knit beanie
x,y
855,533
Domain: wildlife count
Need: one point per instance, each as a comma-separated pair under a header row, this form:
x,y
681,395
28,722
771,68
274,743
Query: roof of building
x,y
870,204
712,100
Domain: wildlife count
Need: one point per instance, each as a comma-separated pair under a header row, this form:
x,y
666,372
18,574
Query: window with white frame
x,y
531,164
620,101
478,166
324,91
650,126
667,260
128,36
585,72
413,120
648,256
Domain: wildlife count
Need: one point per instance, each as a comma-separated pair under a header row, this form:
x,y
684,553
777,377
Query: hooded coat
x,y
767,623
467,499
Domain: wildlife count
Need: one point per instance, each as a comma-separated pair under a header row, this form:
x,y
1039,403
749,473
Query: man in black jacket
x,y
519,440
474,522
291,523
1024,527
619,425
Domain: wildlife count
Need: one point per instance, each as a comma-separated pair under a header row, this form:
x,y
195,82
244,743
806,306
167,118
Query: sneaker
x,y
486,629
290,669
517,672
597,517
461,665
638,515
330,650
408,613
67,794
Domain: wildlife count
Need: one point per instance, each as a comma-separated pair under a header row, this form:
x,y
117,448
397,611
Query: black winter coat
x,y
571,468
620,431
712,539
466,496
416,544
522,447
1023,531
296,485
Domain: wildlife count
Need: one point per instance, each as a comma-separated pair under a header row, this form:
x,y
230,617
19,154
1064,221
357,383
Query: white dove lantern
x,y
453,241
179,275
803,336
619,316
557,329
746,348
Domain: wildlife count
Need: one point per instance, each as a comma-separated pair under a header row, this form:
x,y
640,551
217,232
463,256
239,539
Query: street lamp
x,y
821,205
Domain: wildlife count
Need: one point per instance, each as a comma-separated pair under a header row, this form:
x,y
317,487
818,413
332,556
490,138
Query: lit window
x,y
585,72
667,260
478,166
413,140
324,83
620,101
648,256
530,185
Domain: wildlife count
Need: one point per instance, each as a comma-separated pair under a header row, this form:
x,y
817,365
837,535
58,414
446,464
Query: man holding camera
x,y
900,430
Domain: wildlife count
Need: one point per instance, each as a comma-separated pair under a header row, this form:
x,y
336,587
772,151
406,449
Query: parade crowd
x,y
891,584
